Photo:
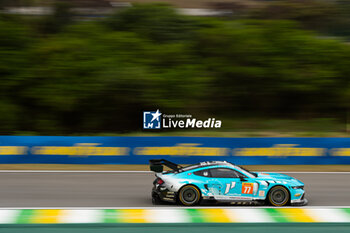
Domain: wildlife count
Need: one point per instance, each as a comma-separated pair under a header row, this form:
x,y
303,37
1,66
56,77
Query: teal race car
x,y
221,181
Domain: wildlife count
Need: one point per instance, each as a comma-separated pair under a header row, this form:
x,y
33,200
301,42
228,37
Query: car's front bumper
x,y
299,202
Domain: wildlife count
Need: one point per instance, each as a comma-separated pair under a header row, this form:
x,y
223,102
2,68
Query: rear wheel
x,y
278,196
189,195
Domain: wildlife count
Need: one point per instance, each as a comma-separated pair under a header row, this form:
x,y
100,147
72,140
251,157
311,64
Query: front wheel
x,y
189,195
278,196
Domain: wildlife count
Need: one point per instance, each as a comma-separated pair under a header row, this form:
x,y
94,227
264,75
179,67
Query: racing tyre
x,y
278,196
189,195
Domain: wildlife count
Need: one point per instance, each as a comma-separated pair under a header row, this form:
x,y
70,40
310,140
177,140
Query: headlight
x,y
298,187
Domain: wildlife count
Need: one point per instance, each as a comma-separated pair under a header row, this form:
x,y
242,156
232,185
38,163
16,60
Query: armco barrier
x,y
175,215
183,150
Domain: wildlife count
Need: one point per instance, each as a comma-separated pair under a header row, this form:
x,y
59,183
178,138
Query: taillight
x,y
160,181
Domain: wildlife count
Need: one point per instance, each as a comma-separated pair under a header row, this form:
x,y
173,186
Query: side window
x,y
204,172
240,174
223,173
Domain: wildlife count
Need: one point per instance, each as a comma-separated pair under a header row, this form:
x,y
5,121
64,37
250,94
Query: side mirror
x,y
242,178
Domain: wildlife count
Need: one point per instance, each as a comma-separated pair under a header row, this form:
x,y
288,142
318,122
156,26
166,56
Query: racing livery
x,y
221,181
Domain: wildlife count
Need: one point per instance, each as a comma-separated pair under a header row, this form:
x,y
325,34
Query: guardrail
x,y
181,150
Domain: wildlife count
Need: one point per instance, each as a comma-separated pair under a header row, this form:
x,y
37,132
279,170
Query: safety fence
x,y
182,150
175,215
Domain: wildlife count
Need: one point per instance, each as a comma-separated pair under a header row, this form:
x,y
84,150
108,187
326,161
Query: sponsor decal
x,y
261,193
247,188
182,149
229,186
225,197
280,150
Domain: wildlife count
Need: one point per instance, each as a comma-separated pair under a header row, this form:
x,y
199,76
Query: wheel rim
x,y
279,196
189,196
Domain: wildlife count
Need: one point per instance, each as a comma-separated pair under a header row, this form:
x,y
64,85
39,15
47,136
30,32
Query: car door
x,y
213,186
248,187
224,183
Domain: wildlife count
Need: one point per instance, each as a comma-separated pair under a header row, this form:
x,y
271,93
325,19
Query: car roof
x,y
206,164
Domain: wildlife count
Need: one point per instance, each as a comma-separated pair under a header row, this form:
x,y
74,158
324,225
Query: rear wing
x,y
156,165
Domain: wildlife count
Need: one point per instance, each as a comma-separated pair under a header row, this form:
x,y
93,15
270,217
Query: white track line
x,y
8,215
81,216
328,215
248,215
168,215
86,171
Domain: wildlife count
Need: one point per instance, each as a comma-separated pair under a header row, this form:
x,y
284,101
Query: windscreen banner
x,y
181,150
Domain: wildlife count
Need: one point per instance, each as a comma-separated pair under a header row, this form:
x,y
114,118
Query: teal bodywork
x,y
250,186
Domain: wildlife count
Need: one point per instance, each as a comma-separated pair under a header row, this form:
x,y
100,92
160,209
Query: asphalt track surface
x,y
128,189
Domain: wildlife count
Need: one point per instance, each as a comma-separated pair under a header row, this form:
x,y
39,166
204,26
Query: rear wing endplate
x,y
156,165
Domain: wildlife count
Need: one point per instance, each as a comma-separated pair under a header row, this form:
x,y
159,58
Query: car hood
x,y
278,177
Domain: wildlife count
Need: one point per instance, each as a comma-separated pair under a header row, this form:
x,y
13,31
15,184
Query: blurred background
x,y
265,68
90,67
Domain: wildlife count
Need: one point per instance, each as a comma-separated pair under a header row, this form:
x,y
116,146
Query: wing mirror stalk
x,y
242,179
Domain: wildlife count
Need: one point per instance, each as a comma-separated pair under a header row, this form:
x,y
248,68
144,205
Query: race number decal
x,y
247,188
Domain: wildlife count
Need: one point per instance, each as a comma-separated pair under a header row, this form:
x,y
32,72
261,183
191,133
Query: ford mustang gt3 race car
x,y
221,181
